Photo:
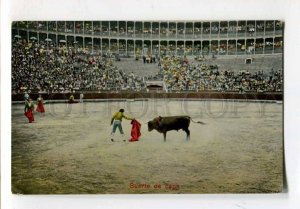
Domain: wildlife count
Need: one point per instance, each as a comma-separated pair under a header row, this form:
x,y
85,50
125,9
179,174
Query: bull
x,y
165,124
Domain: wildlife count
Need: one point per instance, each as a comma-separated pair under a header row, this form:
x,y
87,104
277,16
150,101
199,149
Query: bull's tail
x,y
197,121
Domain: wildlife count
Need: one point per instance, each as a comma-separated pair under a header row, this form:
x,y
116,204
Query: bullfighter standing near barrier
x,y
28,110
40,107
81,97
116,121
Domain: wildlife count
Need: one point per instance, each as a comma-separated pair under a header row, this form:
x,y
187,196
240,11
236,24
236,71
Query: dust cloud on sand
x,y
68,151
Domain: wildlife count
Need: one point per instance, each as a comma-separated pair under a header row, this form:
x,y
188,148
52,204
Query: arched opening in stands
x,y
205,47
61,27
79,27
114,28
42,26
215,47
147,29
122,47
163,47
172,30
180,48
114,46
215,29
61,40
241,28
180,30
138,47
122,28
223,47
269,43
232,47
155,47
88,27
197,47
270,27
32,25
189,30
241,46
96,27
14,33
52,27
105,45
130,47
88,43
42,37
188,48
33,36
278,45
96,45
172,47
278,27
70,26
23,34
138,29
130,29
23,24
147,47
163,29
260,28
155,30
206,30
71,41
223,28
232,29
53,38
250,47
259,46
105,28
197,29
250,28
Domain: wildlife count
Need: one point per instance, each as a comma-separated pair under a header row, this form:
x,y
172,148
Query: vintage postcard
x,y
147,107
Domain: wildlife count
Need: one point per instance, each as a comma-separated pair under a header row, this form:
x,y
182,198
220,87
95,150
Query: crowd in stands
x,y
51,68
178,74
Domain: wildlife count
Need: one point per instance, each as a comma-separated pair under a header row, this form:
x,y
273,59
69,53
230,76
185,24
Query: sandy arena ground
x,y
68,151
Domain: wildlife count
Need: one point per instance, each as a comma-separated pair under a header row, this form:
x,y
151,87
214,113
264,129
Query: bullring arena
x,y
238,94
69,149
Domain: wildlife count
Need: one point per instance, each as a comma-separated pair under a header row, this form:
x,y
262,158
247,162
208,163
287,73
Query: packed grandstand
x,y
65,56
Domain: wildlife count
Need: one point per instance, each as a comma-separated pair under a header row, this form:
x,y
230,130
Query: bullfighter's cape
x,y
40,107
29,115
135,131
29,111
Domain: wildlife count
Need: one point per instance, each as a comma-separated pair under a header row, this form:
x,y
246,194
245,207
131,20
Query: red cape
x,y
40,107
29,115
135,131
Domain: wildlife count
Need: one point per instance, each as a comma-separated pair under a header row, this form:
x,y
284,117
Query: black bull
x,y
165,124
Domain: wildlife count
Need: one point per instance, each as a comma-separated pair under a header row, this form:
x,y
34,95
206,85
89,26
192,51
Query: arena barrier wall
x,y
277,96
